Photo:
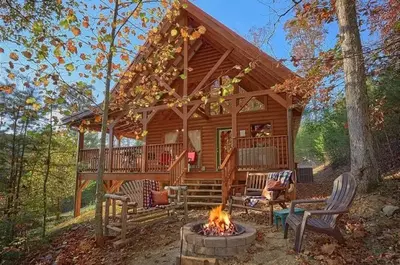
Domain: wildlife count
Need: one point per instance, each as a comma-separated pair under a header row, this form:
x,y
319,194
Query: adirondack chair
x,y
255,183
134,210
323,221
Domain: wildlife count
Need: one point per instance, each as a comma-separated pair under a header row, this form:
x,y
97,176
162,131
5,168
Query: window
x,y
261,130
253,105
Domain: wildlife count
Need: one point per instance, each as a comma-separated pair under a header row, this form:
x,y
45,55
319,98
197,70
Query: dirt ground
x,y
371,238
269,248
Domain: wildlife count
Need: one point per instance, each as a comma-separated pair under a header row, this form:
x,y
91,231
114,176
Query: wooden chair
x,y
323,221
132,210
255,183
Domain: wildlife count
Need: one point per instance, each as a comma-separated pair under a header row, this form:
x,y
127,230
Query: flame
x,y
219,222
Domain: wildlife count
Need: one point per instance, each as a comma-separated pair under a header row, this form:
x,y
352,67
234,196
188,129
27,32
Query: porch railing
x,y
259,153
161,156
158,158
228,169
178,169
127,159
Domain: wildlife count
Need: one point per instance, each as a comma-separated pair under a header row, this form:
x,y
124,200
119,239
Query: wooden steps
x,y
204,191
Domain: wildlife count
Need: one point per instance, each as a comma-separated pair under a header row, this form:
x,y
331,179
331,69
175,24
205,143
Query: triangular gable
x,y
220,39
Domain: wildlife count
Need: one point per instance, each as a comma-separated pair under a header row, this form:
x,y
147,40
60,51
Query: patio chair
x,y
137,206
253,198
323,221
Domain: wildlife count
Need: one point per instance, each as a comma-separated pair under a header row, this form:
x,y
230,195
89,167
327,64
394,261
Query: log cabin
x,y
206,145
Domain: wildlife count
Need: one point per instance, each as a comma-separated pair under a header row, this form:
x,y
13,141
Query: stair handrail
x,y
177,170
228,168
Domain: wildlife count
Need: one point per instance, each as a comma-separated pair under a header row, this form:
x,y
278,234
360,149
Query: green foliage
x,y
324,139
384,99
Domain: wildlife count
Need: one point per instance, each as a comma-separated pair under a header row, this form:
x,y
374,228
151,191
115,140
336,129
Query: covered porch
x,y
253,154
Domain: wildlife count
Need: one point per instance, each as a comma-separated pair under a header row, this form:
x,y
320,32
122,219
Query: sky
x,y
240,16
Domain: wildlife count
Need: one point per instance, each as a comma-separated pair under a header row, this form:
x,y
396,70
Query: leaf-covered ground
x,y
371,237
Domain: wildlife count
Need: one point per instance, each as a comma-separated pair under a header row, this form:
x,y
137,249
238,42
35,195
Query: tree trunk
x,y
47,172
12,181
100,173
21,166
363,162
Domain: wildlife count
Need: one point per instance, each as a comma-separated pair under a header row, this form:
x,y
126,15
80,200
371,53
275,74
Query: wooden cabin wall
x,y
167,121
159,126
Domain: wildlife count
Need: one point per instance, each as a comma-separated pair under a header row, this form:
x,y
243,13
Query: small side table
x,y
282,214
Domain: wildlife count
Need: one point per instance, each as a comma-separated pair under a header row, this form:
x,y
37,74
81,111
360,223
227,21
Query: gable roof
x,y
268,71
243,49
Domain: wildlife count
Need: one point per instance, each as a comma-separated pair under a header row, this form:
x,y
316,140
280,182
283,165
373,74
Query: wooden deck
x,y
161,177
252,154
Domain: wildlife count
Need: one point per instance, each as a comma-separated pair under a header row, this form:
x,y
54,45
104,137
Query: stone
x,y
250,239
215,242
190,247
190,238
389,210
226,252
199,241
235,241
204,251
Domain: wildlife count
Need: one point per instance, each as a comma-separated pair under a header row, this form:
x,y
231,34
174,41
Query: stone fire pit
x,y
220,246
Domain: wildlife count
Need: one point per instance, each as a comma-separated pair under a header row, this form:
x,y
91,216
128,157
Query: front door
x,y
224,144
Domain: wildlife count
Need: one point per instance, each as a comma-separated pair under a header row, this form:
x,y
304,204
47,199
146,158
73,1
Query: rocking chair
x,y
323,221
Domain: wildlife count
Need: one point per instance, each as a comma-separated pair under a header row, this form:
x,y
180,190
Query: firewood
x,y
186,260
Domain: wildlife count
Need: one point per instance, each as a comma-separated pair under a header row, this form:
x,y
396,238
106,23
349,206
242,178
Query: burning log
x,y
219,224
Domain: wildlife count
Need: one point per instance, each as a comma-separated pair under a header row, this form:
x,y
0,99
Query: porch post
x,y
144,147
185,94
110,148
78,191
290,138
234,122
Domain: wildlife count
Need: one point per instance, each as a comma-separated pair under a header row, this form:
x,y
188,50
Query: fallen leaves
x,y
328,248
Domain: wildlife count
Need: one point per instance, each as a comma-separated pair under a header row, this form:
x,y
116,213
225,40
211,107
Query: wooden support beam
x,y
151,115
226,106
234,113
110,148
211,72
115,185
207,109
84,184
202,114
193,109
242,104
178,112
78,191
216,99
185,128
290,138
166,86
144,148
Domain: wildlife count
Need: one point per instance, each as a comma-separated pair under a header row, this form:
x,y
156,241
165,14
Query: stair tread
x,y
204,196
200,178
204,190
202,184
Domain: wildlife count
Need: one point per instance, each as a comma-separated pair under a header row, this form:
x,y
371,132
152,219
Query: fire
x,y
219,223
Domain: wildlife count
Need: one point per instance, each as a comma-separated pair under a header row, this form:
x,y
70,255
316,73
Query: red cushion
x,y
192,157
159,197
